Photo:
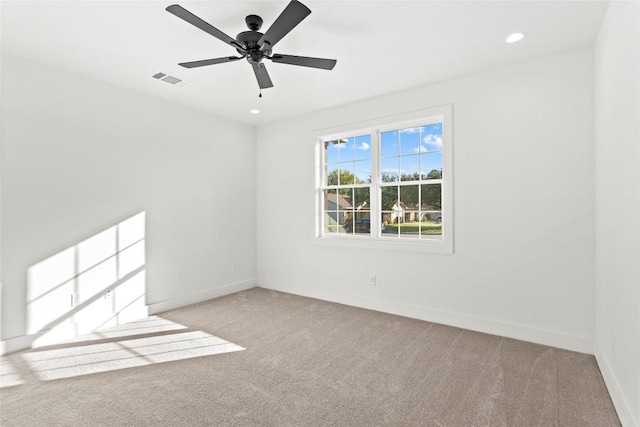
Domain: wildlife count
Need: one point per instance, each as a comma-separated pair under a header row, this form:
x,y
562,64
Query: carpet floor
x,y
266,358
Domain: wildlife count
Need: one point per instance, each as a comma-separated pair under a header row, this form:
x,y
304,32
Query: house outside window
x,y
389,184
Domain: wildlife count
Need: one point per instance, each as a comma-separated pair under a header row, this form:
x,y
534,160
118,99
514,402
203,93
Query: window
x,y
388,182
347,189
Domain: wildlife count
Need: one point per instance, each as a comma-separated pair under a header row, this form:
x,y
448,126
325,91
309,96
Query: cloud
x,y
433,140
410,130
363,146
430,142
340,143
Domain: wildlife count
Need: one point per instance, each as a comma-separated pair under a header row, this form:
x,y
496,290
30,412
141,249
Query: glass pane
x,y
389,227
431,138
345,210
330,211
389,198
362,205
330,200
431,165
361,200
331,151
409,201
346,173
346,220
431,197
362,222
407,212
389,224
332,172
410,140
363,147
389,169
362,172
410,168
347,149
345,195
431,225
389,144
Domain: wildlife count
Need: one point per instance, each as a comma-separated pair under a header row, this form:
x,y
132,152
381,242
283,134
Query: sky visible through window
x,y
404,152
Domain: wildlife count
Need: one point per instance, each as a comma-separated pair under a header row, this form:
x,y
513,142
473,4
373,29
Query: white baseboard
x,y
184,300
14,344
478,324
617,396
24,342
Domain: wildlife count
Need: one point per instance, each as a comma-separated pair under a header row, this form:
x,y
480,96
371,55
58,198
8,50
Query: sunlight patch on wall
x,y
87,358
97,283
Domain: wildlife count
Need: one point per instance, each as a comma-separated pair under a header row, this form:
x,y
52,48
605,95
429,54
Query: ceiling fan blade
x,y
291,16
202,63
305,61
192,19
264,81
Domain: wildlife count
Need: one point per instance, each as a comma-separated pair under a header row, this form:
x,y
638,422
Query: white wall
x,y
523,208
79,156
617,188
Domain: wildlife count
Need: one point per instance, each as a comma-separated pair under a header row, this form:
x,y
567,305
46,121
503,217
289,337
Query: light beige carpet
x,y
265,358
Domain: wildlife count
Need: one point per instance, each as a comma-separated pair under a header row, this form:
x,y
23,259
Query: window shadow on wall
x,y
95,284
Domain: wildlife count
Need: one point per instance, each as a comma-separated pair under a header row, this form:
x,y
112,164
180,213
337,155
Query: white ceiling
x,y
381,46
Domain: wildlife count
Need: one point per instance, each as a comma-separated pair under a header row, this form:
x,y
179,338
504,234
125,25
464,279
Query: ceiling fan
x,y
254,45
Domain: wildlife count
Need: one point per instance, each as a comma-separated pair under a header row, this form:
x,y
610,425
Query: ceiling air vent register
x,y
170,79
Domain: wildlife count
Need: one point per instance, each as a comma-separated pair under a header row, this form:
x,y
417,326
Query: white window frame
x,y
375,127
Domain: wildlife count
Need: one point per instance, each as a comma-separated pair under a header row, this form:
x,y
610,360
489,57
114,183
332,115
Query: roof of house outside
x,y
339,200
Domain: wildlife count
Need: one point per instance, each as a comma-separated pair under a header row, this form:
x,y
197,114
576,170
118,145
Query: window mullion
x,y
374,192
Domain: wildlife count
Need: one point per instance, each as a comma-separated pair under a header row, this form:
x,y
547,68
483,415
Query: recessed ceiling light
x,y
515,37
254,111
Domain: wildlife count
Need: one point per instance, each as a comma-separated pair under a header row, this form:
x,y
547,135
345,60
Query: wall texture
x,y
617,192
79,156
523,262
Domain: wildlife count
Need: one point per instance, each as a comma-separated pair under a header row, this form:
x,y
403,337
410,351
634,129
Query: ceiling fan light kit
x,y
255,46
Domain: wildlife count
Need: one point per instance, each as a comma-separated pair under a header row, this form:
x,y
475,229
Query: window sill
x,y
386,244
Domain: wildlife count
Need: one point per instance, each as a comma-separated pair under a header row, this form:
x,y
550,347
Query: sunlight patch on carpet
x,y
9,376
87,358
147,325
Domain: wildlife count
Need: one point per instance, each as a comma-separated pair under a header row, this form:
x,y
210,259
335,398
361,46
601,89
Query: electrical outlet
x,y
107,295
372,280
233,269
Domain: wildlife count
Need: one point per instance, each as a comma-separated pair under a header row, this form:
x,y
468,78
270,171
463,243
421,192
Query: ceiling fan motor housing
x,y
250,40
